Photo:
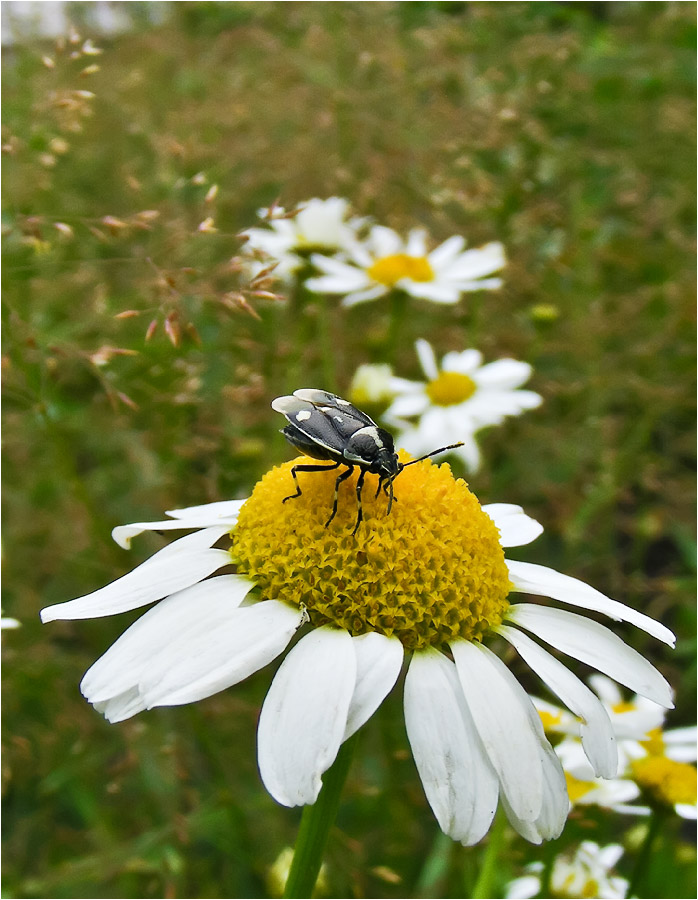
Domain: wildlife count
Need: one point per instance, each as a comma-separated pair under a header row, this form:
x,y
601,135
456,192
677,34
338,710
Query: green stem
x,y
295,326
398,311
654,828
316,822
435,866
495,841
327,350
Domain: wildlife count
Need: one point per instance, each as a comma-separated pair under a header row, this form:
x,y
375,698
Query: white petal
x,y
427,359
304,715
124,534
515,527
211,512
534,579
384,241
523,888
122,666
362,296
550,822
466,362
680,744
431,290
608,691
446,253
686,810
150,581
335,284
190,543
499,707
212,657
458,779
378,663
594,645
121,707
476,262
416,244
404,386
484,284
503,374
332,266
490,407
413,404
596,731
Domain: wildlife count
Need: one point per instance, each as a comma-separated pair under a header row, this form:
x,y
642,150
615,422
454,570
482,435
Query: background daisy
x,y
460,397
289,238
385,262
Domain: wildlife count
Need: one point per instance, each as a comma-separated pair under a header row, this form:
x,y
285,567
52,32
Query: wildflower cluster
x,y
333,253
586,873
656,766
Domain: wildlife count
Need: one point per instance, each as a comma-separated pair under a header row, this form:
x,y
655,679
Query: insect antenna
x,y
433,453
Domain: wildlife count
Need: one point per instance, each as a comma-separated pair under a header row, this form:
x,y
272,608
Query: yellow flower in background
x,y
585,874
653,762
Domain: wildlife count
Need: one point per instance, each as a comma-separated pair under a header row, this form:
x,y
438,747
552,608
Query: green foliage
x,y
563,130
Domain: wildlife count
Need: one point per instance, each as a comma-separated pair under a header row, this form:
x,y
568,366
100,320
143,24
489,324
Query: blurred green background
x,y
565,130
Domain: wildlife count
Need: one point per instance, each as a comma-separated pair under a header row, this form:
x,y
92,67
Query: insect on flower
x,y
325,427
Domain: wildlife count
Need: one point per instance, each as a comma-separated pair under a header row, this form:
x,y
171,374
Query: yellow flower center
x,y
624,706
667,780
549,720
430,572
576,788
391,269
654,743
450,388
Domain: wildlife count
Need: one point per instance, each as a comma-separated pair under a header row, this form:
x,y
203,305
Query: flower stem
x,y
483,885
654,828
316,822
398,307
328,350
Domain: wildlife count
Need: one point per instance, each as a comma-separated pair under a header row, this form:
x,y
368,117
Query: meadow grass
x,y
566,131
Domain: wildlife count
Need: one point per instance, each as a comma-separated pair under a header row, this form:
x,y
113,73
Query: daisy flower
x,y
460,397
586,874
427,585
659,763
385,262
321,225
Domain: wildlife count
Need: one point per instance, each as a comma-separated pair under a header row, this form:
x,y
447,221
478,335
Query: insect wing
x,y
327,402
313,423
307,446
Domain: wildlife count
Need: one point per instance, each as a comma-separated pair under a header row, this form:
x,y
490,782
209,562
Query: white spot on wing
x,y
303,415
372,432
338,418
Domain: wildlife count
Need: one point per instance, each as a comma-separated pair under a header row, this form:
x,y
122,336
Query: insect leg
x,y
359,485
340,478
391,496
306,469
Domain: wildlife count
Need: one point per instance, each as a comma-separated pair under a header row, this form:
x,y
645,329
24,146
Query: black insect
x,y
324,426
